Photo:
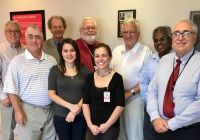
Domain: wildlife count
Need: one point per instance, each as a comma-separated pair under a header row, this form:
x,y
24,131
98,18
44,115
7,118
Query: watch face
x,y
132,91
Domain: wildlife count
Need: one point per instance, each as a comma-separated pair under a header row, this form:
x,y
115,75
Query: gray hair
x,y
194,26
165,29
12,23
133,21
88,18
34,27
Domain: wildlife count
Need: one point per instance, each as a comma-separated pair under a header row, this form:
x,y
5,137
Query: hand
x,y
103,128
6,102
20,117
75,109
70,117
95,129
160,125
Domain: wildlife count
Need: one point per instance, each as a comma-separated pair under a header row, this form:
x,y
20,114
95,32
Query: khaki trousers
x,y
7,122
39,125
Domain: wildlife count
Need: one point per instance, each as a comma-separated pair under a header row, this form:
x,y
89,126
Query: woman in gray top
x,y
66,82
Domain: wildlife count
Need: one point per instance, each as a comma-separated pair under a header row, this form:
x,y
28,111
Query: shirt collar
x,y
156,56
185,57
29,56
133,50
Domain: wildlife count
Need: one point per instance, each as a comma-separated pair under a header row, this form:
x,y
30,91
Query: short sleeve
x,y
52,80
88,84
119,91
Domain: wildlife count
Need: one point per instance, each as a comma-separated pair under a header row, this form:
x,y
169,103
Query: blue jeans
x,y
70,130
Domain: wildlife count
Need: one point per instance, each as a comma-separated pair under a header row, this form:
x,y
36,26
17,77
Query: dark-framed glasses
x,y
185,34
162,39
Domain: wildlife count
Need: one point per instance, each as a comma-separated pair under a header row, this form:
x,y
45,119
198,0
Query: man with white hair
x,y
88,41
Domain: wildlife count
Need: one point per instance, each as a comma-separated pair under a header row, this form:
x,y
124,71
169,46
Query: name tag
x,y
106,96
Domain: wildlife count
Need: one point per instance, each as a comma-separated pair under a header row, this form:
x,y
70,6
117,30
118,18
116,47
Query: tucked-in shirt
x,y
186,94
101,111
27,77
7,52
129,64
148,71
86,51
68,88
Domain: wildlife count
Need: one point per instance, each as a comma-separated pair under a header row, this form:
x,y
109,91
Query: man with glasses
x,y
87,42
8,49
57,26
163,45
173,94
128,60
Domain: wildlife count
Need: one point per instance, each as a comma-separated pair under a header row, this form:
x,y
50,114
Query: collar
x,y
133,50
185,57
10,45
29,56
155,56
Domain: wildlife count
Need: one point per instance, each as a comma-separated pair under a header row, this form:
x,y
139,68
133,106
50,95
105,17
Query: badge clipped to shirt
x,y
106,96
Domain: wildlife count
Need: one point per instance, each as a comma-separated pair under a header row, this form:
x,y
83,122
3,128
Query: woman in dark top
x,y
103,99
66,81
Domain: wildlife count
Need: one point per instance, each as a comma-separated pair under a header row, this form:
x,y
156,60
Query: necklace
x,y
105,74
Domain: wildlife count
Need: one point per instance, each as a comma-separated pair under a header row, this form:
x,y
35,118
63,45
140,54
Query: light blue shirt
x,y
148,71
186,94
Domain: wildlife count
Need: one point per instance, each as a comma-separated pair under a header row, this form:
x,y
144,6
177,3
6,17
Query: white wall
x,y
150,13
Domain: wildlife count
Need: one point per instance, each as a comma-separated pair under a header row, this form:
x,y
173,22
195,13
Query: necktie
x,y
168,104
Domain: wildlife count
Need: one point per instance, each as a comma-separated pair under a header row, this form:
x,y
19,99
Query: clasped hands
x,y
74,110
99,129
160,125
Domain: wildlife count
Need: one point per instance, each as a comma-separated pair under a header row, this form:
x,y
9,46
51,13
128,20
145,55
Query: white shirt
x,y
129,64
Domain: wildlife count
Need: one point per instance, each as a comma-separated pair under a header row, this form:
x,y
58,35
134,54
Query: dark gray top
x,y
67,87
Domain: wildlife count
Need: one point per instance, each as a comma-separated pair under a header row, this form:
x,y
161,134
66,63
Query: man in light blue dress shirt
x,y
162,43
185,124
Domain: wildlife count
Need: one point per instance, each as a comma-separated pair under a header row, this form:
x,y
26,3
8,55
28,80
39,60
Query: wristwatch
x,y
132,91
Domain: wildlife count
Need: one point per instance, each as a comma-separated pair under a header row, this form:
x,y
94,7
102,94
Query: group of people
x,y
80,89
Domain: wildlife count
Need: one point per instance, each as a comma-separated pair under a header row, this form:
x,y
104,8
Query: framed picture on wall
x,y
25,18
195,17
123,15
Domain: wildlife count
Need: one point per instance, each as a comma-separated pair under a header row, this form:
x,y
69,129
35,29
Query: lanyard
x,y
174,83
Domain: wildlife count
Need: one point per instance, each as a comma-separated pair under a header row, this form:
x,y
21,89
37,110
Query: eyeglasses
x,y
12,31
89,28
129,32
185,34
162,39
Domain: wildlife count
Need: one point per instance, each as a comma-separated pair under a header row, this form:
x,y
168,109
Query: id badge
x,y
106,95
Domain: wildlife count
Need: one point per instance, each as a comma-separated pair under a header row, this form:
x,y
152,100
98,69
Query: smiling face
x,y
130,35
57,28
68,53
88,31
183,37
102,58
162,42
12,33
34,39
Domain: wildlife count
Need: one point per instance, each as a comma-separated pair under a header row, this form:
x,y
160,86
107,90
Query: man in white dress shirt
x,y
128,60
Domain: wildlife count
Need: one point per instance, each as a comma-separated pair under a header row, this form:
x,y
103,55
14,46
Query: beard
x,y
89,39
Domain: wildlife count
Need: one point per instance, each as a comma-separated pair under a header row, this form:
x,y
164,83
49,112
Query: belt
x,y
37,106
